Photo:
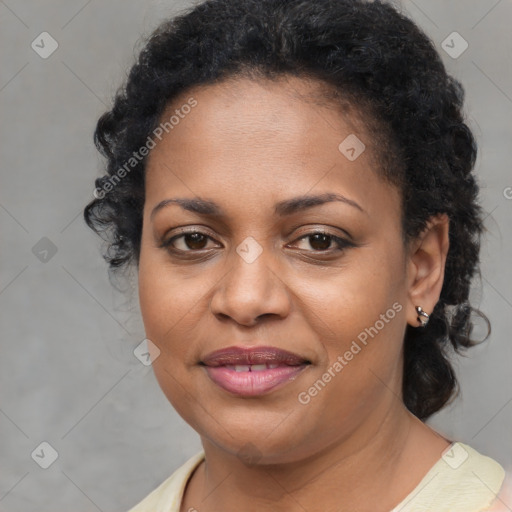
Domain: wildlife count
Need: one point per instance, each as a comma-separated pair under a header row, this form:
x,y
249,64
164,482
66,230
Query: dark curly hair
x,y
386,67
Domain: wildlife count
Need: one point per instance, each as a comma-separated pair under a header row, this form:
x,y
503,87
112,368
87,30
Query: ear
x,y
425,267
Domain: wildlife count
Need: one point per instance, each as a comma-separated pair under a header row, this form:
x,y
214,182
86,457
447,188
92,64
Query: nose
x,y
250,291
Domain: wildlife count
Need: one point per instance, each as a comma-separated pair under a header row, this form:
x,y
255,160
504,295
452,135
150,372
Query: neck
x,y
376,467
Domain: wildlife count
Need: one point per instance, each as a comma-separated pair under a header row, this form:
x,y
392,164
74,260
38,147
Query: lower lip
x,y
252,383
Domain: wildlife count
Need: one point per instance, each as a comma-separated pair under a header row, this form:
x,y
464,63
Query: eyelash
x,y
340,242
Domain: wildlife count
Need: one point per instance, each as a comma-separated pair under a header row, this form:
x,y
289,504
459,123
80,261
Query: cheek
x,y
360,319
165,303
167,307
353,298
167,297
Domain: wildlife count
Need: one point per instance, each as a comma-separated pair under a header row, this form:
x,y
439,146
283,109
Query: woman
x,y
293,181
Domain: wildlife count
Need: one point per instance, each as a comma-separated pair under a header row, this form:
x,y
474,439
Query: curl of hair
x,y
367,52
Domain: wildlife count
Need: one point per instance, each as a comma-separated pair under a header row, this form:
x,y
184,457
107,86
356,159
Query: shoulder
x,y
468,479
167,496
503,501
463,480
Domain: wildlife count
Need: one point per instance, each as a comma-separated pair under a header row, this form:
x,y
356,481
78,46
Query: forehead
x,y
264,138
284,104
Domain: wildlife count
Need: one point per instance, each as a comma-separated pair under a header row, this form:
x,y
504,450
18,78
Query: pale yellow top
x,y
462,480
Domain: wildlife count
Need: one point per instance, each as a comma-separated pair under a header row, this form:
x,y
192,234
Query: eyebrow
x,y
283,208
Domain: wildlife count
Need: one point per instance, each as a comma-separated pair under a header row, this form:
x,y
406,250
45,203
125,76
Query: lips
x,y
252,371
252,356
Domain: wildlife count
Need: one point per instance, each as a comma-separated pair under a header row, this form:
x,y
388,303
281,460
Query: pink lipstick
x,y
252,371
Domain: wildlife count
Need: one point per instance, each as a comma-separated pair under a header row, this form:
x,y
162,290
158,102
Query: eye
x,y
321,241
188,241
195,241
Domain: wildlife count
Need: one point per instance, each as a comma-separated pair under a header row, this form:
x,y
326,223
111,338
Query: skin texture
x,y
248,145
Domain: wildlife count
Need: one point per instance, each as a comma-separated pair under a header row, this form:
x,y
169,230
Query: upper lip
x,y
252,355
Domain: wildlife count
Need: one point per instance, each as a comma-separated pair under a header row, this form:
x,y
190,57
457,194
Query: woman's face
x,y
256,273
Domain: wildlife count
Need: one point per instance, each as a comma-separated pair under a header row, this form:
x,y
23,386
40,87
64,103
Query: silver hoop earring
x,y
422,316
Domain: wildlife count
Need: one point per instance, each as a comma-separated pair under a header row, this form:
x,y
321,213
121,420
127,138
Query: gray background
x,y
68,375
